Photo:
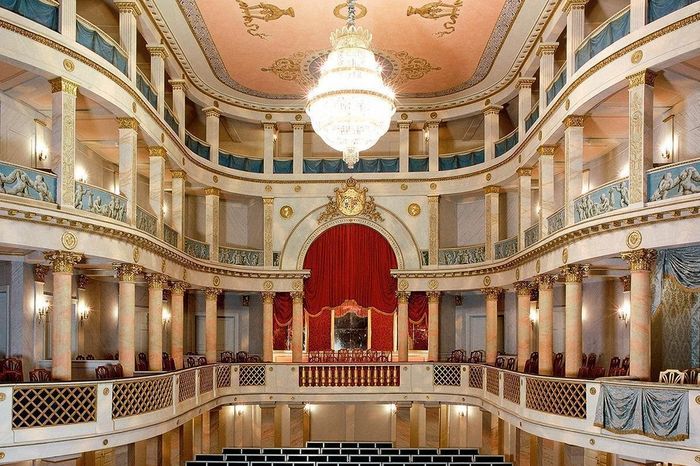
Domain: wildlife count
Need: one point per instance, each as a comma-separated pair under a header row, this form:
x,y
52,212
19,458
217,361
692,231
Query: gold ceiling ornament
x,y
263,12
289,68
438,11
351,201
414,209
411,68
340,11
286,211
69,240
634,239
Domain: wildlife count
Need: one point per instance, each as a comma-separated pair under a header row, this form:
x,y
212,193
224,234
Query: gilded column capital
x,y
126,6
404,124
62,261
574,121
178,288
297,296
575,5
640,259
82,282
492,292
301,126
40,272
644,77
212,192
493,110
178,174
402,296
433,296
63,85
523,288
432,124
158,50
212,111
128,123
546,150
526,83
211,294
268,201
546,281
547,48
524,171
492,189
156,281
178,84
574,273
268,297
127,272
269,125
157,151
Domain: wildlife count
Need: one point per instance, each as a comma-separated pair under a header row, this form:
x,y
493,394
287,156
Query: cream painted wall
x,y
470,223
684,126
351,422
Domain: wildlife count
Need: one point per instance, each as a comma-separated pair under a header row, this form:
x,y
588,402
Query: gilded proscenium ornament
x,y
492,292
524,171
127,272
441,11
40,272
634,239
69,240
360,11
640,259
178,288
574,273
212,192
546,281
268,297
156,281
62,261
402,296
63,85
211,294
178,174
350,201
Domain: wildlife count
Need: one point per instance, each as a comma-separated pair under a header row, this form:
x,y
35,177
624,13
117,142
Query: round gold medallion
x,y
404,186
433,186
268,188
637,56
267,285
268,116
565,255
298,117
413,209
593,391
488,177
403,285
105,392
433,284
634,239
487,280
215,179
286,211
297,285
297,188
68,64
404,116
216,280
433,115
69,240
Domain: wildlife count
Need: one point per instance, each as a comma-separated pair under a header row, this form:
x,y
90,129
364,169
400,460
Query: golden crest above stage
x,y
351,201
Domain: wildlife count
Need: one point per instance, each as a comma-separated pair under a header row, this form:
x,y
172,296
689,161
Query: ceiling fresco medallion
x,y
261,12
350,201
439,11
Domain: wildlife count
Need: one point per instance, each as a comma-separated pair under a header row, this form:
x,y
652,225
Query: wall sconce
x,y
534,315
392,408
462,411
166,317
623,313
239,410
307,408
42,311
426,135
42,152
668,146
83,313
81,174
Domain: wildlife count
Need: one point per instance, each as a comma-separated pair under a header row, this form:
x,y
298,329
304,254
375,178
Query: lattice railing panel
x,y
186,390
251,375
556,397
476,377
511,387
492,385
206,379
142,396
348,375
223,376
53,406
447,375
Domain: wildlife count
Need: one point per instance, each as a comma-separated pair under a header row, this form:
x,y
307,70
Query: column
x,y
546,322
492,295
128,11
128,168
641,122
522,290
62,267
433,325
179,87
402,324
433,128
156,188
269,140
213,117
575,32
434,229
211,296
524,203
268,298
267,425
126,274
546,185
63,95
177,208
403,424
638,14
641,261
432,425
158,55
40,272
546,53
268,211
573,164
177,322
67,18
524,104
573,279
492,220
212,221
297,325
296,425
404,132
491,130
156,282
298,148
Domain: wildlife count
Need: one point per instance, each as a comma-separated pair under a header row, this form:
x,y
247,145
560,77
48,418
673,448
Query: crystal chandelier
x,y
351,107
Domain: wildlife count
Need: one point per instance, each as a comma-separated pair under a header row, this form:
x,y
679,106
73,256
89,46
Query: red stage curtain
x,y
282,320
418,320
349,261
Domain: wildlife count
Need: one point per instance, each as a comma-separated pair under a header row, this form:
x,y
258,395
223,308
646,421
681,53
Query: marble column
x,y
404,145
433,325
546,185
177,208
638,14
402,324
211,296
268,298
492,295
158,54
40,272
491,130
297,325
179,87
296,425
433,128
641,262
126,274
522,290
177,322
546,323
545,51
573,279
156,181
573,164
128,12
492,210
67,19
267,425
575,32
524,104
61,314
212,200
641,133
433,229
269,142
128,164
156,282
432,425
524,203
403,424
63,96
213,117
298,148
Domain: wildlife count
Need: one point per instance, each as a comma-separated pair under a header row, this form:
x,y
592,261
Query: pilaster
x,y
402,324
177,322
573,164
156,282
128,12
179,87
126,274
212,196
128,168
433,325
156,182
298,149
546,185
575,32
491,130
524,204
67,19
545,51
213,117
492,295
158,55
546,323
211,296
297,325
268,298
63,97
641,134
434,230
269,142
433,128
524,104
268,254
573,278
492,196
404,145
177,209
522,290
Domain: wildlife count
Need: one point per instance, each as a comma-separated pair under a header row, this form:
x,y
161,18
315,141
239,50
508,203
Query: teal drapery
x,y
661,414
146,90
613,31
36,10
95,42
506,144
556,86
456,161
418,164
196,146
660,8
362,166
532,118
171,121
282,166
239,162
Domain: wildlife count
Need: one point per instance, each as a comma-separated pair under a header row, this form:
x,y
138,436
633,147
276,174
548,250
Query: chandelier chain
x,y
351,12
